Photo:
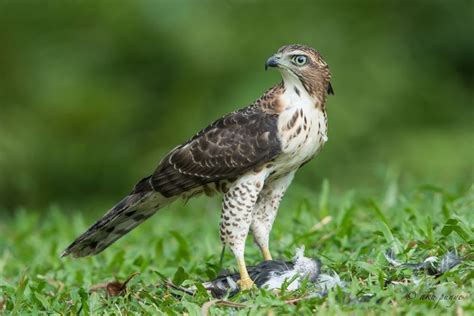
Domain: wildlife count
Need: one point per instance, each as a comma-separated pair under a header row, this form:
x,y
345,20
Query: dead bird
x,y
274,274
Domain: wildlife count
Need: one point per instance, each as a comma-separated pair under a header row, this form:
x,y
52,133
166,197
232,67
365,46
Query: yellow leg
x,y
245,282
266,254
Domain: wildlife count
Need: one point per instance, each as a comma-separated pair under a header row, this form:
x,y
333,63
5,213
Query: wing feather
x,y
231,146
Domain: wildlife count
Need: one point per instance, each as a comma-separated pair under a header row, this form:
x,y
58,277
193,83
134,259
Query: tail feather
x,y
118,221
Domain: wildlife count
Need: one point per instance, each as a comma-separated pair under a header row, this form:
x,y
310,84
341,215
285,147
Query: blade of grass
x,y
19,293
324,200
391,240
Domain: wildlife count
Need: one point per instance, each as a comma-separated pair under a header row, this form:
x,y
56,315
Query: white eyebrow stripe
x,y
297,52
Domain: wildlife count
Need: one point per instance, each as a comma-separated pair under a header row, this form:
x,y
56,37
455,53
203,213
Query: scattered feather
x,y
278,274
449,261
431,265
114,288
327,281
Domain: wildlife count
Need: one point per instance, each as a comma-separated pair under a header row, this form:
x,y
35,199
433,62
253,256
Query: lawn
x,y
347,231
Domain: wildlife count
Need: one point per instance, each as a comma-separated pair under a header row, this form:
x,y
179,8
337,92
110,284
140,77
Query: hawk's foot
x,y
245,284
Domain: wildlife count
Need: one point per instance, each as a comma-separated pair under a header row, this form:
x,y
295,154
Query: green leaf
x,y
378,211
429,228
345,222
84,300
391,240
453,225
180,276
19,293
42,300
324,200
183,249
368,267
193,309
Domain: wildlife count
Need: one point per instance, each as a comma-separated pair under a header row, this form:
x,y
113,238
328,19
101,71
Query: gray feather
x,y
133,210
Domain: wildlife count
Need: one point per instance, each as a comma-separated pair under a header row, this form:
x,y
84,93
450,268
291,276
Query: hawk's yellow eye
x,y
299,60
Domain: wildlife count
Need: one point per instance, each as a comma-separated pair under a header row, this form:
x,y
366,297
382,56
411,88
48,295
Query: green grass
x,y
182,244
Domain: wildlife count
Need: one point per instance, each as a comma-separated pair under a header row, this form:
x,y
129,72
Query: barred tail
x,y
133,210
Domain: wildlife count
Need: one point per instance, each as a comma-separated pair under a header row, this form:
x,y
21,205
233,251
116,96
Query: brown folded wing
x,y
229,147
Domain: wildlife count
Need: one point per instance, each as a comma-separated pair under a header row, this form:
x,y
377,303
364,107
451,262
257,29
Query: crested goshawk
x,y
250,156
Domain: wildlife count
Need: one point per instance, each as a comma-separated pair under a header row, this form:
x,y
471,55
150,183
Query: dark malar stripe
x,y
305,85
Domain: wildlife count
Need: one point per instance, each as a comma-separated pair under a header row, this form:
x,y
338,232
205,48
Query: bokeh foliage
x,y
94,93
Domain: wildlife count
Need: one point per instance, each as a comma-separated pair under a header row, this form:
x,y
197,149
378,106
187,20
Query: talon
x,y
245,284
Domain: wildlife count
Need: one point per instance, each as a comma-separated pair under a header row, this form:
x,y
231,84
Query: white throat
x,y
302,124
295,94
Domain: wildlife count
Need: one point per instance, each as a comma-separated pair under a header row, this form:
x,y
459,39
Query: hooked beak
x,y
272,62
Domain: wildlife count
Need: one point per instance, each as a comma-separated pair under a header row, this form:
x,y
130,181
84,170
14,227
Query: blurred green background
x,y
94,93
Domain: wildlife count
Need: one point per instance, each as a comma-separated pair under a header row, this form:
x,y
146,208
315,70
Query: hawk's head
x,y
304,65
